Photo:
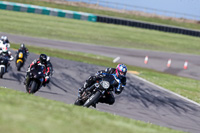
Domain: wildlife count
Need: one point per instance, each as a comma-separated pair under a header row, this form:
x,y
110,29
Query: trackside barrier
x,y
146,25
47,11
94,18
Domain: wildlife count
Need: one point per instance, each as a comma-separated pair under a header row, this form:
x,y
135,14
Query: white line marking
x,y
116,59
165,90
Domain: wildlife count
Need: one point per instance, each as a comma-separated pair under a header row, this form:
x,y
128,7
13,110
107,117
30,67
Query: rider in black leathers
x,y
41,60
119,72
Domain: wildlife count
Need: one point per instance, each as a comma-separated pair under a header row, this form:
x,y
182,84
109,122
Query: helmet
x,y
5,38
2,38
22,45
121,70
43,58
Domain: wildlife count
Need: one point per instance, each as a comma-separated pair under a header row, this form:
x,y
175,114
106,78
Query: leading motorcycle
x,y
96,91
35,78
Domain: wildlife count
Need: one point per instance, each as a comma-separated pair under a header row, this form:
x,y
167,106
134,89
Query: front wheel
x,y
32,88
19,64
1,72
92,100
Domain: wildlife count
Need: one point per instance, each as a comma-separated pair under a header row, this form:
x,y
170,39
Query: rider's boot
x,y
80,91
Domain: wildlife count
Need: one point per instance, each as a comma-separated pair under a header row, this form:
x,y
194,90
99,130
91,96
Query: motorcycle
x,y
96,91
3,63
35,78
20,59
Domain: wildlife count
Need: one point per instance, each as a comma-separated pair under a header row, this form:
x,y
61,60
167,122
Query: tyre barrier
x,y
95,18
47,11
146,25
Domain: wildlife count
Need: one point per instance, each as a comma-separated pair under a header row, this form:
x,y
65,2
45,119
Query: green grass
x,y
184,86
109,13
95,33
24,113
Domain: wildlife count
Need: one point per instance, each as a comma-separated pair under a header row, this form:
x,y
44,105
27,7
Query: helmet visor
x,y
122,73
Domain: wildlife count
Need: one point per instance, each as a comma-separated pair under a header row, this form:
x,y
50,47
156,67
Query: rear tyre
x,y
92,100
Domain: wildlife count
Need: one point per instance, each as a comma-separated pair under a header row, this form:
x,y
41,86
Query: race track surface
x,y
139,100
157,60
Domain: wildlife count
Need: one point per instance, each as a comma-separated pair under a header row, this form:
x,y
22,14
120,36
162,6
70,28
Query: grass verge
x,y
95,33
24,113
108,13
184,86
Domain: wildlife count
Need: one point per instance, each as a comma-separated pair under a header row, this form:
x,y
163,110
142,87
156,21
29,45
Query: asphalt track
x,y
157,60
140,100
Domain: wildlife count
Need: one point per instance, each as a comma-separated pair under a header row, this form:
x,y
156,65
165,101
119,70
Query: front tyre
x,y
1,72
32,88
19,64
92,100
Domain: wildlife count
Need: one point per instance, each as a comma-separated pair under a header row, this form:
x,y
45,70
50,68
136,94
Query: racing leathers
x,y
109,97
46,71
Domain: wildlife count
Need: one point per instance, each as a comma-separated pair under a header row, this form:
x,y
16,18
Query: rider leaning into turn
x,y
43,61
119,72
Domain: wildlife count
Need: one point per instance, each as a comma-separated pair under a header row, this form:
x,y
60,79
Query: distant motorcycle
x,y
35,78
92,94
3,63
20,59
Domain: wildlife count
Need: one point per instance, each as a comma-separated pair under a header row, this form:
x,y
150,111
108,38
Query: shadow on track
x,y
149,97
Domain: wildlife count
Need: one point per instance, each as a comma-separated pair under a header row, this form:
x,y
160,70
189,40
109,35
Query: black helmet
x,y
22,45
43,58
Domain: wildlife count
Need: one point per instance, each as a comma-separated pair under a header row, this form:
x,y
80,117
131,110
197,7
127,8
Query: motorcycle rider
x,y
24,49
5,41
120,73
42,60
7,54
50,66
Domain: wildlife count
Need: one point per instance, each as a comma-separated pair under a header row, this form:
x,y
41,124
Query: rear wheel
x,y
93,99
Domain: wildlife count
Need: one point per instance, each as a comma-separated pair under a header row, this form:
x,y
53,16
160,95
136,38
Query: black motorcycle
x,y
20,59
3,64
35,78
92,94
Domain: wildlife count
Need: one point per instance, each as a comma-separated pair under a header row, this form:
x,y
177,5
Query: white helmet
x,y
2,37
